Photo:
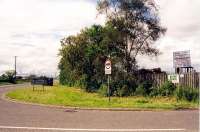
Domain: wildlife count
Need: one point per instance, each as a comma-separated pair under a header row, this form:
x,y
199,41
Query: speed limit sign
x,y
108,67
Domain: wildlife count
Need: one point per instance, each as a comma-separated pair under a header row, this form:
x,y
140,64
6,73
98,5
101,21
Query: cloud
x,y
182,20
32,31
181,17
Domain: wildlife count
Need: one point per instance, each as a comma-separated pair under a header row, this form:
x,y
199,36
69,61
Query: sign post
x,y
42,81
108,72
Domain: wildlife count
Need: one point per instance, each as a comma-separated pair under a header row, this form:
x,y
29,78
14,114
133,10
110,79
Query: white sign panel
x,y
174,78
108,67
182,59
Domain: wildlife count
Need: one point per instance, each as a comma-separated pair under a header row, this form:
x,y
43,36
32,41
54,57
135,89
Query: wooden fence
x,y
191,79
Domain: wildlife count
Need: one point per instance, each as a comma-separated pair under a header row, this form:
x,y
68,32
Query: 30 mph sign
x,y
108,67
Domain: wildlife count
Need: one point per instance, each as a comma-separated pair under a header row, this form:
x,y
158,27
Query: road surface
x,y
15,117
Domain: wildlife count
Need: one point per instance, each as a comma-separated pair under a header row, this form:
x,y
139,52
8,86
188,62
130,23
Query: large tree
x,y
83,56
131,29
139,25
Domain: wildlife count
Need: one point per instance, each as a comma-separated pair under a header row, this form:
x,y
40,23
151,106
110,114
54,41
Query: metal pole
x,y
109,88
199,81
15,66
15,72
109,82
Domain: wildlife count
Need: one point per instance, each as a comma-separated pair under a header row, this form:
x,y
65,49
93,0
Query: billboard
x,y
182,59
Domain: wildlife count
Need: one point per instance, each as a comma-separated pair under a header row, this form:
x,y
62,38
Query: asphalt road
x,y
16,117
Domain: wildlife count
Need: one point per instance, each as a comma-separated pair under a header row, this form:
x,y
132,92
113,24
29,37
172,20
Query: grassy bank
x,y
74,97
5,83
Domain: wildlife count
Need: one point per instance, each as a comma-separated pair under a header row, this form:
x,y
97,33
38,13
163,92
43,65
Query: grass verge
x,y
74,97
5,83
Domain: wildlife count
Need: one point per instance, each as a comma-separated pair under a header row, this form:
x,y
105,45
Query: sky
x,y
32,30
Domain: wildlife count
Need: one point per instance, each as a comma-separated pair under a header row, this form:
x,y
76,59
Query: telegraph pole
x,y
15,67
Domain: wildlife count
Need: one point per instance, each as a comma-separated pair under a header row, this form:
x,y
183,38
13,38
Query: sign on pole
x,y
108,67
174,78
108,72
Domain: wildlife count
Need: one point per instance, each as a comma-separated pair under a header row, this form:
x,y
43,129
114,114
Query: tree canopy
x,y
132,27
139,25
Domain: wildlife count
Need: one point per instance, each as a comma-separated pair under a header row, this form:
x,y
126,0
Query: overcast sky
x,y
32,29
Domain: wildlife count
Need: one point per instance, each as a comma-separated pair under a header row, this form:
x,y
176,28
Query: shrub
x,y
140,91
103,90
124,91
167,89
154,92
186,93
123,84
81,82
144,88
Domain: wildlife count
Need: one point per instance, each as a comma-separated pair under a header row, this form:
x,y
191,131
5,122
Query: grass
x,y
4,83
75,97
18,82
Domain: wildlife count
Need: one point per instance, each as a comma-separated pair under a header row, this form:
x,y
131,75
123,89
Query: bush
x,y
124,91
81,82
154,92
144,88
167,89
140,91
186,93
103,90
123,84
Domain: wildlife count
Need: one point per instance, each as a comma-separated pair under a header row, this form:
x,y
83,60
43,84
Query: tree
x,y
139,26
131,29
8,76
83,58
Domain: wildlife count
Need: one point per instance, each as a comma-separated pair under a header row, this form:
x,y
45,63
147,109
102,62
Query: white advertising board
x,y
181,59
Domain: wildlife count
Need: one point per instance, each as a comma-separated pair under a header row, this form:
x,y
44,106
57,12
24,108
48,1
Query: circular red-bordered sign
x,y
108,67
108,64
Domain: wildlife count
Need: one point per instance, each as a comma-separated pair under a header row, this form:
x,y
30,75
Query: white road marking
x,y
89,130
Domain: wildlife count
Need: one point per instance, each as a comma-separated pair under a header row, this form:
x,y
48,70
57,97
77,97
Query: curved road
x,y
16,117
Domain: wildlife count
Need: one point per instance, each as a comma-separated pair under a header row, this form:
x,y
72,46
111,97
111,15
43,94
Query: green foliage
x,y
167,89
83,57
144,88
142,101
123,91
103,90
8,76
140,90
180,92
155,92
138,24
74,97
127,33
123,84
187,93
